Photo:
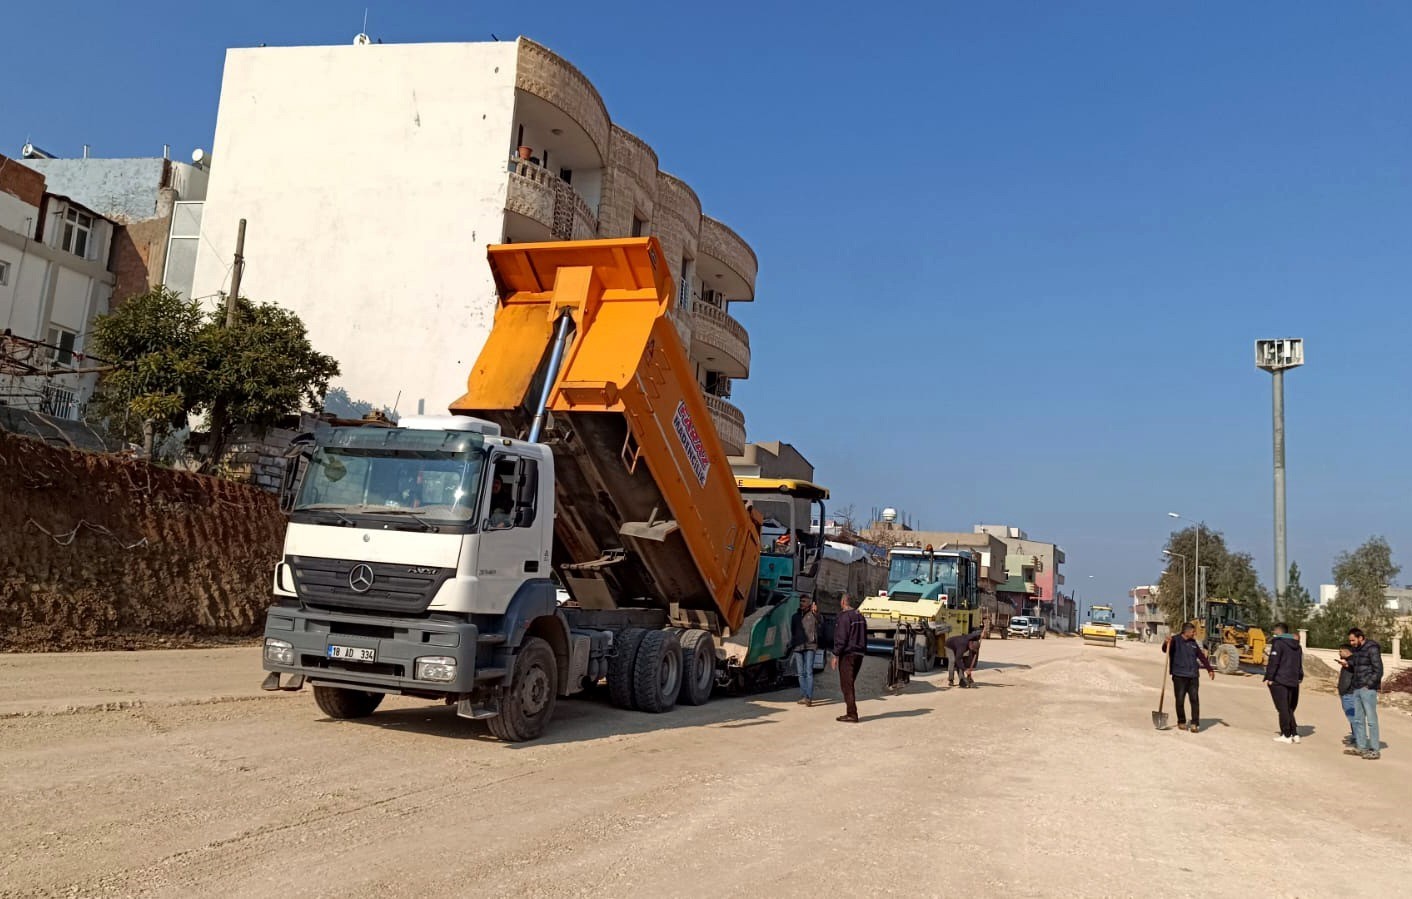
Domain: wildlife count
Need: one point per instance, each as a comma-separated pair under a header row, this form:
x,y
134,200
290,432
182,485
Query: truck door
x,y
510,550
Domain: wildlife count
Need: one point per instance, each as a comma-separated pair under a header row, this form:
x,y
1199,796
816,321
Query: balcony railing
x,y
539,194
729,422
717,328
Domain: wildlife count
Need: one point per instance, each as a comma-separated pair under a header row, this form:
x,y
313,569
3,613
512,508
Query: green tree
x,y
1295,609
1230,575
173,360
1362,577
153,341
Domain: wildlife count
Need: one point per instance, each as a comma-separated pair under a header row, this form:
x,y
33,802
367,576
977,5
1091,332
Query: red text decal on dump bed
x,y
691,442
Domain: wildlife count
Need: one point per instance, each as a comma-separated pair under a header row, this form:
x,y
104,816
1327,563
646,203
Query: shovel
x,y
1159,717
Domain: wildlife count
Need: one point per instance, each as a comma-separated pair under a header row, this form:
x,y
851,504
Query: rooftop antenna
x,y
361,39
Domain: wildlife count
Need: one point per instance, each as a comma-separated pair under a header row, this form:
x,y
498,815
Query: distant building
x,y
1398,599
1034,576
1327,592
54,282
154,200
1148,621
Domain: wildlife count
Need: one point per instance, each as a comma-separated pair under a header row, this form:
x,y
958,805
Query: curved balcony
x,y
726,263
718,341
550,202
730,424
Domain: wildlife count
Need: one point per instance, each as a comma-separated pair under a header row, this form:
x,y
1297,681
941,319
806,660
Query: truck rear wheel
x,y
343,705
620,666
657,672
698,667
529,704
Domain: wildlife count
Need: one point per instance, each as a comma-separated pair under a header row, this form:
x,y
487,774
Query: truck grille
x,y
328,583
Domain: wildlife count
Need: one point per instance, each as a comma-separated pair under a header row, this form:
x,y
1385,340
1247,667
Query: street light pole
x,y
1197,585
1275,356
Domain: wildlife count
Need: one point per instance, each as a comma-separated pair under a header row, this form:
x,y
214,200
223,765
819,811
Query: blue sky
x,y
1013,256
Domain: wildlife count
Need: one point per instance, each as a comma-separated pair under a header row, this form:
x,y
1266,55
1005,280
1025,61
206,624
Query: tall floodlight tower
x,y
1276,356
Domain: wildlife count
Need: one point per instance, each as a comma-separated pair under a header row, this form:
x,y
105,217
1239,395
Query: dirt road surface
x,y
171,774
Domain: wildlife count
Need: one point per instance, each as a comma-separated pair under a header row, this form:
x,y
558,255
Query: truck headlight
x,y
440,669
279,652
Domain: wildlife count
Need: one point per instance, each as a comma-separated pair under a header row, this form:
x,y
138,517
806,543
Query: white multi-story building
x,y
54,282
374,176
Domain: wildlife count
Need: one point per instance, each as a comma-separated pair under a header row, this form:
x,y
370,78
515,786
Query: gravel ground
x,y
171,774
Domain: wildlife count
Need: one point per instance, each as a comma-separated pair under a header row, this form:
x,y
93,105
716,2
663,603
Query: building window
x,y
61,347
78,229
59,402
639,227
4,273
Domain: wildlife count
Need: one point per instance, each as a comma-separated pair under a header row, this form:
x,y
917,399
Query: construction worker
x,y
1283,673
1187,658
850,642
804,635
962,653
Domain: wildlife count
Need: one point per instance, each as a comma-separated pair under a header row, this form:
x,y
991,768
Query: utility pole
x,y
235,273
1275,356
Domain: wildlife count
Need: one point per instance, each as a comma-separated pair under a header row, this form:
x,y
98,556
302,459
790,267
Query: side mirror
x,y
296,464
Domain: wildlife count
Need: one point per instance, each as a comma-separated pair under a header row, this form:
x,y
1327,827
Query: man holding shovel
x,y
1186,658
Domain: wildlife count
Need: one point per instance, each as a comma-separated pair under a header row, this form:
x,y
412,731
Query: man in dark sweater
x,y
850,642
1366,664
1283,672
1187,658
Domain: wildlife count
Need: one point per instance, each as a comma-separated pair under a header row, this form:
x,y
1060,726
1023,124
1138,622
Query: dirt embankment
x,y
102,552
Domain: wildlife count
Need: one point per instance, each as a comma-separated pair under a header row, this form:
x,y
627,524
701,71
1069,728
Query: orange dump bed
x,y
648,512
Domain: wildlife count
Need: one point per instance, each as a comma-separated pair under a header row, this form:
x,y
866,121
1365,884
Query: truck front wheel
x,y
529,704
343,704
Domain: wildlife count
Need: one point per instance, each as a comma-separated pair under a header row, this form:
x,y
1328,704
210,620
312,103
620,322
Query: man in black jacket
x,y
1283,673
804,643
850,642
1345,692
1187,660
1367,666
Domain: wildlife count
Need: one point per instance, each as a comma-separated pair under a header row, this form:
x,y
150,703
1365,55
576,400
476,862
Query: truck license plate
x,y
352,653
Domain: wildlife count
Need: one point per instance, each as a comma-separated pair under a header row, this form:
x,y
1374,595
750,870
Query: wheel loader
x,y
1228,641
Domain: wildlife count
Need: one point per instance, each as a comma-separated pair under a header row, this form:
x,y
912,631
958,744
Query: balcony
x,y
718,341
730,424
725,263
543,206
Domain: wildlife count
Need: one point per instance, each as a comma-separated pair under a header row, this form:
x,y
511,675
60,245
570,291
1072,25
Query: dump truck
x,y
930,593
1099,629
1229,641
431,558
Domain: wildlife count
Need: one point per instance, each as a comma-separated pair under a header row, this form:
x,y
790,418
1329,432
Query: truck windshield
x,y
939,568
434,475
1100,615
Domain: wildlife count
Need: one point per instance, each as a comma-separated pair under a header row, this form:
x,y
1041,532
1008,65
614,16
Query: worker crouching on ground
x,y
804,633
1187,658
1283,673
850,642
962,653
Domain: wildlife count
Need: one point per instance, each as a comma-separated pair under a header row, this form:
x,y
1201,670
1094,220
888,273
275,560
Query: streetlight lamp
x,y
1275,356
1182,556
1196,580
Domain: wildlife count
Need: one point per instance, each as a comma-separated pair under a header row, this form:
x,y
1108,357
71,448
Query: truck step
x,y
490,639
483,674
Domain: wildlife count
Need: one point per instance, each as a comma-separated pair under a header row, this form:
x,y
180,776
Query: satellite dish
x,y
361,40
198,156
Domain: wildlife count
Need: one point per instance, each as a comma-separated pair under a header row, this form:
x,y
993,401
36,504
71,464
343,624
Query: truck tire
x,y
528,704
1227,659
923,653
343,705
698,667
620,666
657,672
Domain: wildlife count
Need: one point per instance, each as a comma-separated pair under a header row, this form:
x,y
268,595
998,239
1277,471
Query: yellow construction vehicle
x,y
931,595
1099,629
1230,642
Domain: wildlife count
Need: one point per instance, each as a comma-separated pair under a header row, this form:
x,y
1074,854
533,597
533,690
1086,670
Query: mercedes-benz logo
x,y
361,578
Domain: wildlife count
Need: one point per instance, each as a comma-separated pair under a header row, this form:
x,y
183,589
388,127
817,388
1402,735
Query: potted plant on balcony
x,y
525,153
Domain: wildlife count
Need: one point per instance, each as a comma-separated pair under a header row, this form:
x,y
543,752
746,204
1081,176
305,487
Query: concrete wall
x,y
373,178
